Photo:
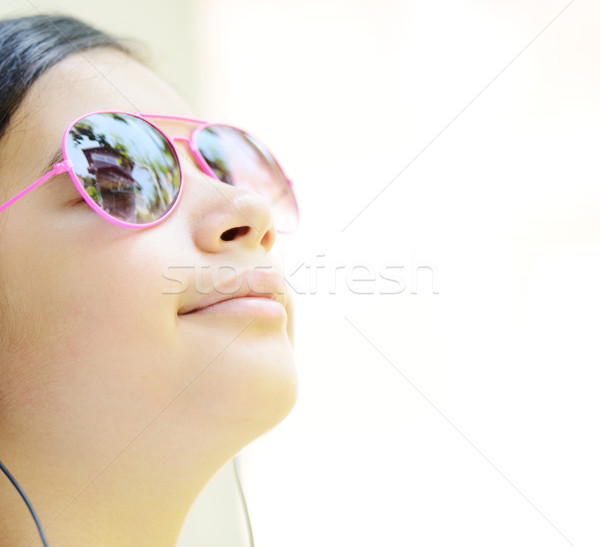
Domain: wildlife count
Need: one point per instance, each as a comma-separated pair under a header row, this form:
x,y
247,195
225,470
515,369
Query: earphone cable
x,y
243,498
41,530
27,502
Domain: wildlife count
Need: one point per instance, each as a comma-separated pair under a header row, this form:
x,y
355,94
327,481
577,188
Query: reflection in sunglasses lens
x,y
125,165
239,159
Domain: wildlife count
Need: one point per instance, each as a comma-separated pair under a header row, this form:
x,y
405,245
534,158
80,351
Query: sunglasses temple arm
x,y
56,170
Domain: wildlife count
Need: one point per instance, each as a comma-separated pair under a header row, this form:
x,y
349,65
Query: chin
x,y
262,392
273,398
245,392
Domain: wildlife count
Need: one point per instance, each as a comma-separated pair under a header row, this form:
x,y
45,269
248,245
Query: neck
x,y
127,497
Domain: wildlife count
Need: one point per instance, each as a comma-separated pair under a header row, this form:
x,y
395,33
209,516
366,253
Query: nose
x,y
226,217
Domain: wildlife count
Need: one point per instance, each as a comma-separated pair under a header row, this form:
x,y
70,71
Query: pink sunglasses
x,y
128,170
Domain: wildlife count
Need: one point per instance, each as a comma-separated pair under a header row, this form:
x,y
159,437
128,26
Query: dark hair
x,y
31,45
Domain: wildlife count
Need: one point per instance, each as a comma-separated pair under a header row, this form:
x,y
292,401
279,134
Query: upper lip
x,y
264,283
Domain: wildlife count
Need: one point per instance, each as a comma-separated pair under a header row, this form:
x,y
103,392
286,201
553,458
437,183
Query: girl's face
x,y
96,329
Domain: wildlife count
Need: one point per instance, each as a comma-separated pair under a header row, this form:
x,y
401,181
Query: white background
x,y
468,417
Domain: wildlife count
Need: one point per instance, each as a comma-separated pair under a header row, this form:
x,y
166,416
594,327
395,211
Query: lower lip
x,y
253,306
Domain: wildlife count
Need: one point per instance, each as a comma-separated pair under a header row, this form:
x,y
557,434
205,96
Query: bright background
x,y
449,149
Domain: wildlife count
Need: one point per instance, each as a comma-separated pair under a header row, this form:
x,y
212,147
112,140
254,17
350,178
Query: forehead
x,y
99,79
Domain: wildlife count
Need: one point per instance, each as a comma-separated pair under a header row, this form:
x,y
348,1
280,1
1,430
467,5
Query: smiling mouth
x,y
254,306
255,293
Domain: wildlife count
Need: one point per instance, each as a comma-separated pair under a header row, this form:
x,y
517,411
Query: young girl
x,y
144,328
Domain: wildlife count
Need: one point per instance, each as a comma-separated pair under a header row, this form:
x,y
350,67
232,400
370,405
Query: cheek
x,y
109,304
95,321
75,297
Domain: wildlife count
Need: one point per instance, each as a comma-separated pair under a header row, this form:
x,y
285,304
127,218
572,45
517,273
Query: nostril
x,y
232,233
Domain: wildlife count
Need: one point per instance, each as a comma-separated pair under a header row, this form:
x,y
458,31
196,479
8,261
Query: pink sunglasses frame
x,y
66,166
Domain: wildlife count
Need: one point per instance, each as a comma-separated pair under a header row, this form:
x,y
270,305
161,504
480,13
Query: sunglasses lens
x,y
239,159
126,166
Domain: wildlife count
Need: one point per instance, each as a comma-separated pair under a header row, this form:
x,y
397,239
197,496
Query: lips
x,y
251,288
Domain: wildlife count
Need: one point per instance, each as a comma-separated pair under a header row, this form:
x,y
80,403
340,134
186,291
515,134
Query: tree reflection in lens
x,y
125,165
238,159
